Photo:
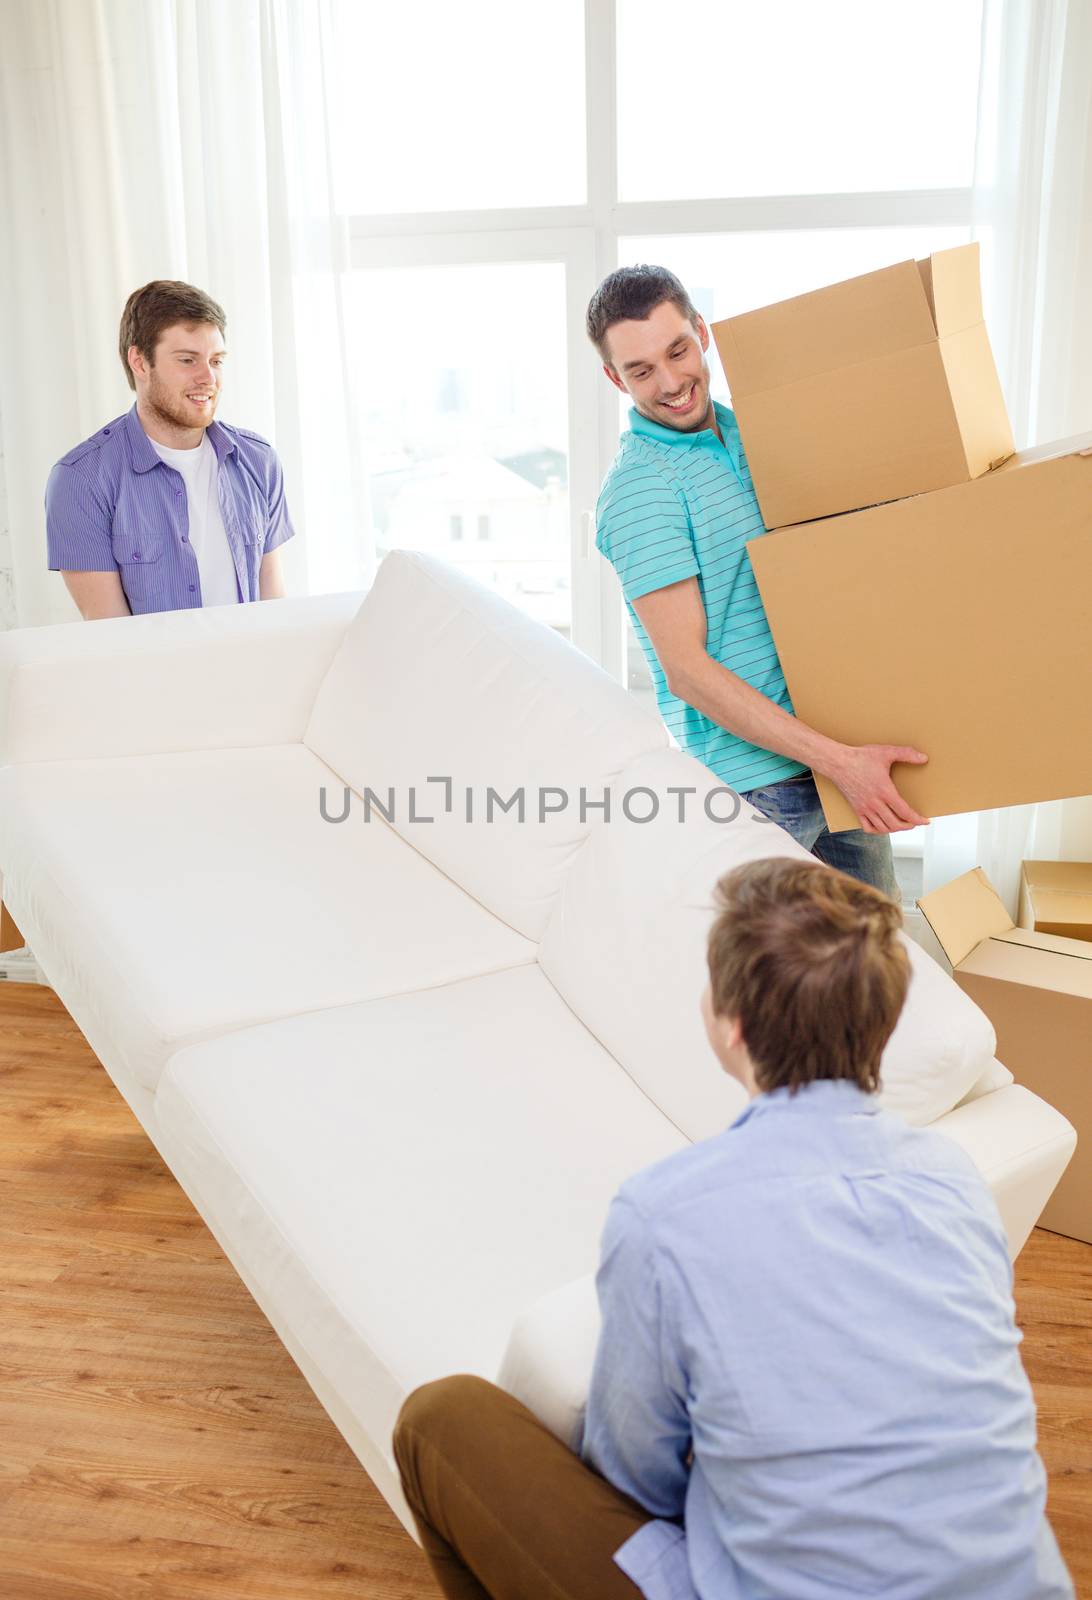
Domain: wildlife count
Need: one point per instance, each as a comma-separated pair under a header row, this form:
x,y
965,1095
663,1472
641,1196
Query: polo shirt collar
x,y
688,441
142,452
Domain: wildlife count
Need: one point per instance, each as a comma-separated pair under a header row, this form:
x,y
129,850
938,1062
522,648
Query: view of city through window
x,y
465,417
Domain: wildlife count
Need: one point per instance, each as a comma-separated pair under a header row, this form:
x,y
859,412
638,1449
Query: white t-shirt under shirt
x,y
200,472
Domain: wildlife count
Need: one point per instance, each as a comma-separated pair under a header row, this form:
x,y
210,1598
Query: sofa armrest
x,y
173,680
1020,1145
548,1362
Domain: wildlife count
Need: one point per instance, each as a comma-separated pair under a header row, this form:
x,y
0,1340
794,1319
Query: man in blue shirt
x,y
165,508
674,518
808,1383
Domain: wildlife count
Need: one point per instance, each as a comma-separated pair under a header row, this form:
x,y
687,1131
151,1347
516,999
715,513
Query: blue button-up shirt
x,y
817,1303
112,505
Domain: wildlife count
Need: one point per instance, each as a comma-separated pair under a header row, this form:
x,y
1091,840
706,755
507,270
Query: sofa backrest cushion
x,y
625,947
441,687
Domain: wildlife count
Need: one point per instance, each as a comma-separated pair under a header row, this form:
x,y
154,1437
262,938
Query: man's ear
x,y
614,378
703,331
136,361
732,1032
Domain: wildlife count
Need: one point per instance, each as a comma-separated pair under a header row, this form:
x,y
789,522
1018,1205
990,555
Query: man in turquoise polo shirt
x,y
674,518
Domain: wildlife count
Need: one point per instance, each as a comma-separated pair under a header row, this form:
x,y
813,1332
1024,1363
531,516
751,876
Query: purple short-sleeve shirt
x,y
112,505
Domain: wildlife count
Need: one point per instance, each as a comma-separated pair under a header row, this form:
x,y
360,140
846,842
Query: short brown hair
x,y
159,305
810,962
632,294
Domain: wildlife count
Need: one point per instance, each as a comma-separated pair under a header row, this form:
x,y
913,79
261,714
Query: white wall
x,y
7,588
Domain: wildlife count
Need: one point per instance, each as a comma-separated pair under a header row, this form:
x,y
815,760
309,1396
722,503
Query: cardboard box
x,y
1056,897
958,622
870,390
1036,989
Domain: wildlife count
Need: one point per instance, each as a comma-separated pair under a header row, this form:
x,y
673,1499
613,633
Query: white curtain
x,y
1033,214
174,139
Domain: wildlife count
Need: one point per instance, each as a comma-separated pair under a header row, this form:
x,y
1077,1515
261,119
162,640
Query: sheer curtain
x,y
1033,212
174,139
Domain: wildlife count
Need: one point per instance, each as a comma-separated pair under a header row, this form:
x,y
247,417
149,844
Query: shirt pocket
x,y
134,551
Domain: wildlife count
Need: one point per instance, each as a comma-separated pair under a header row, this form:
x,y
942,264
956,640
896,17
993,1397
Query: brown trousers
x,y
504,1510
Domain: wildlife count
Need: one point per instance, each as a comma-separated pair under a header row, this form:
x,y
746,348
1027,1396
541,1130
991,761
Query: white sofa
x,y
401,1067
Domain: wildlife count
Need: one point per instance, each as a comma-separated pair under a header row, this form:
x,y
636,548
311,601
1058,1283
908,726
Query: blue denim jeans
x,y
794,805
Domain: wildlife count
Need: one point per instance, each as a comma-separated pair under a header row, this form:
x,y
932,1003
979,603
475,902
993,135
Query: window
x,y
845,97
491,182
466,433
487,116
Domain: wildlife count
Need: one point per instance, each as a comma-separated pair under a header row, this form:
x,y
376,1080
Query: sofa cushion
x,y
995,1076
444,1160
625,946
439,679
171,897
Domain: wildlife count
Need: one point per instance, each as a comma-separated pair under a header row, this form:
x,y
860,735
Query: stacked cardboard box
x,y
1036,989
1056,897
869,390
951,608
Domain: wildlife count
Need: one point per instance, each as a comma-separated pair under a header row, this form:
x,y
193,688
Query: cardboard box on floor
x,y
1056,897
869,390
1036,989
958,622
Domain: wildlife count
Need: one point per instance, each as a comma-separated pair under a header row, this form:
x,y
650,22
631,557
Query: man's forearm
x,y
725,699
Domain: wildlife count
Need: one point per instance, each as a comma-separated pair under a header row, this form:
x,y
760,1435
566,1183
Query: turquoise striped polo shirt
x,y
681,505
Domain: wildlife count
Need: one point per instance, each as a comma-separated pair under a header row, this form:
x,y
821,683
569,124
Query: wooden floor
x,y
156,1441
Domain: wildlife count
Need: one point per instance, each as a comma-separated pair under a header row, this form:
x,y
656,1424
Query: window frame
x,y
584,239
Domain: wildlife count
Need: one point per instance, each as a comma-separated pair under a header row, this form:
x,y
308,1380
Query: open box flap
x,y
963,913
1047,963
951,280
976,396
1058,944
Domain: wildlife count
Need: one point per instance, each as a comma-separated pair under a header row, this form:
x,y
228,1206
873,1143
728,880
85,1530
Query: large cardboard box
x,y
1056,896
959,622
870,390
1036,989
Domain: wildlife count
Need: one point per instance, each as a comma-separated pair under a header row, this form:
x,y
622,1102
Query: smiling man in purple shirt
x,y
164,508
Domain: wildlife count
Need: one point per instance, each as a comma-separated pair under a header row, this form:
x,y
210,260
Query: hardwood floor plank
x,y
143,1568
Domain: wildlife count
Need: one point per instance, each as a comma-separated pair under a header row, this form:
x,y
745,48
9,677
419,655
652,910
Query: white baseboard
x,y
19,966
